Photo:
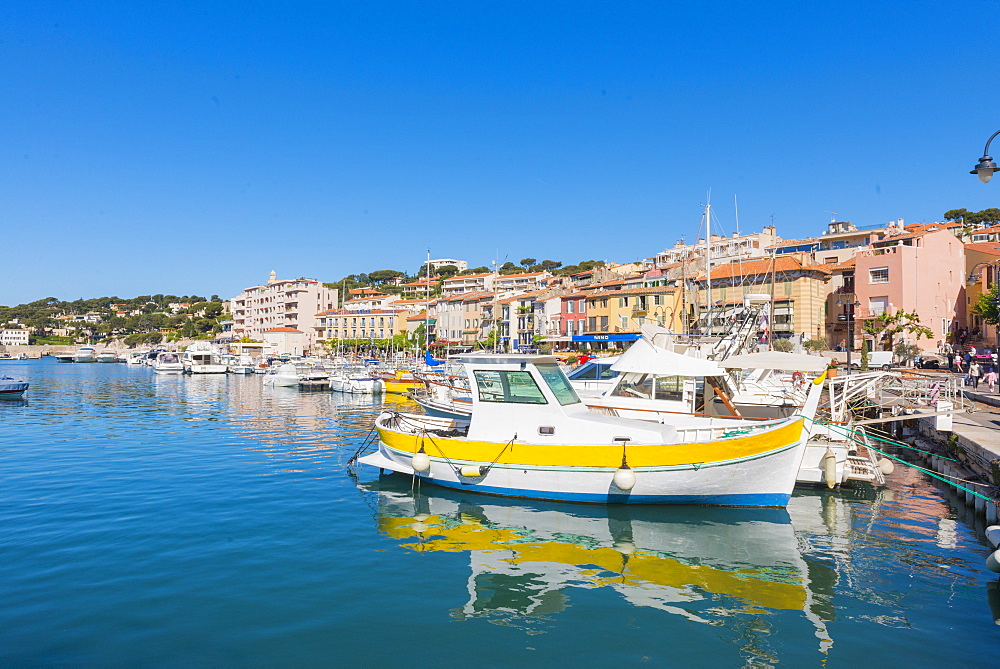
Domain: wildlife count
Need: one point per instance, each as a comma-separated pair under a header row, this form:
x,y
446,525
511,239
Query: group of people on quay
x,y
978,367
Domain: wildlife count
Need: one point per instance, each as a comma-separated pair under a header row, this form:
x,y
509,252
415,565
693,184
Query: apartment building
x,y
921,268
470,283
721,250
13,337
337,326
289,303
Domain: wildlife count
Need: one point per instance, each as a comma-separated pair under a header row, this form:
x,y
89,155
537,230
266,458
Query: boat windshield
x,y
558,384
508,387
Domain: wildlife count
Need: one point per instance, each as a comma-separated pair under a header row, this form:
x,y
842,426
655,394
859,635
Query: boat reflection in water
x,y
706,564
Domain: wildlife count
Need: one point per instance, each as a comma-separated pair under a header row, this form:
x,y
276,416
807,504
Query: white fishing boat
x,y
657,384
238,364
12,388
202,358
85,354
531,436
167,362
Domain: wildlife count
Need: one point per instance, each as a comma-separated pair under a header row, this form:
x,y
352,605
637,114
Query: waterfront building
x,y
291,303
919,268
982,270
476,328
799,293
284,341
13,337
336,326
572,318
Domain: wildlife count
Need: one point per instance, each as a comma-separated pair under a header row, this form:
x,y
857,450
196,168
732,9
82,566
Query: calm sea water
x,y
194,521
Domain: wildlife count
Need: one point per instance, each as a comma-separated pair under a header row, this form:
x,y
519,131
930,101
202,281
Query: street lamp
x,y
850,327
986,167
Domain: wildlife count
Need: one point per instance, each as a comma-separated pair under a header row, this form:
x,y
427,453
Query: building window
x,y
878,275
570,304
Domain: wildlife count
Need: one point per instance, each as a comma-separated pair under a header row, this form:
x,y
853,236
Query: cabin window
x,y
558,384
508,387
635,385
670,388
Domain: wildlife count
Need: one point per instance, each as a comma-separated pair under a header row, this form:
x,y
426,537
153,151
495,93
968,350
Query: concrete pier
x,y
969,454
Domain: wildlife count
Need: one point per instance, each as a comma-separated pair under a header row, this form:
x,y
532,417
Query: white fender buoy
x,y
624,478
993,535
886,465
421,462
419,527
830,469
993,562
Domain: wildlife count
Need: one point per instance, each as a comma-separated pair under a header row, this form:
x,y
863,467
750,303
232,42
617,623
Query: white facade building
x,y
291,303
13,337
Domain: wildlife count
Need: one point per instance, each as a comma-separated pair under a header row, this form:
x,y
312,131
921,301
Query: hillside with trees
x,y
145,319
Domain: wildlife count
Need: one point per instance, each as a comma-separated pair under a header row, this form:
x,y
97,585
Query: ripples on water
x,y
210,520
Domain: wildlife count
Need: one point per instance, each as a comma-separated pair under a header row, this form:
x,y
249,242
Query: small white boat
x,y
284,374
355,381
107,356
135,357
531,436
85,354
11,388
168,362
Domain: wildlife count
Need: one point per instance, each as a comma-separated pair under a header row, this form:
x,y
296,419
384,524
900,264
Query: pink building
x,y
918,268
573,315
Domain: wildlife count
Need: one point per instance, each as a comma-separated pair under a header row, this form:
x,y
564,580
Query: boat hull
x,y
759,472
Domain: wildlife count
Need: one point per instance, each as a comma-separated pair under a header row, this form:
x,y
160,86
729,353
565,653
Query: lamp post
x,y
850,307
986,167
973,277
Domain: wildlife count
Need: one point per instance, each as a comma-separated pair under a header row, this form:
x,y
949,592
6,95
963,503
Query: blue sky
x,y
191,148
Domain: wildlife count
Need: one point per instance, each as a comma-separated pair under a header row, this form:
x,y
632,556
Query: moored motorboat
x,y
167,362
11,388
355,381
284,374
85,354
531,436
107,356
202,358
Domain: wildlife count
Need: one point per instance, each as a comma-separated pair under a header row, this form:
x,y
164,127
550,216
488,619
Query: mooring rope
x,y
950,480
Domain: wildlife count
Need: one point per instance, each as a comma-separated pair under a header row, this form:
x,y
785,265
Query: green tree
x,y
527,262
987,306
380,276
447,270
886,326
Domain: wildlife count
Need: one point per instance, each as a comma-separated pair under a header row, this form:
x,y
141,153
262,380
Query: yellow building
x,y
799,294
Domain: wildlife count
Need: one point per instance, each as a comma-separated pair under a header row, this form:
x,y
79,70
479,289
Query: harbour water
x,y
210,520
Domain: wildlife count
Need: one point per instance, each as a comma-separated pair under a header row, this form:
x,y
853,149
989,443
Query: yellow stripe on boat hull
x,y
602,456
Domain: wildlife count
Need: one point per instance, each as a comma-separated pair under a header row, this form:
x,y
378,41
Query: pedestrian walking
x,y
991,380
958,364
974,371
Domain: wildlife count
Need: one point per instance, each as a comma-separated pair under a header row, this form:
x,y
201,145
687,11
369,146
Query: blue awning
x,y
627,336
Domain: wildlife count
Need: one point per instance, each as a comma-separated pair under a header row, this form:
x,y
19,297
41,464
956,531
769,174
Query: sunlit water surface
x,y
210,520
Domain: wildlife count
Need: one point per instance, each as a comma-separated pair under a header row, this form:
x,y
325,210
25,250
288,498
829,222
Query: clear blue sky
x,y
191,148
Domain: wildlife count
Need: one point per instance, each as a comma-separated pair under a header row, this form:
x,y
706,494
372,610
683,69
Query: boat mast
x,y
427,309
708,263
